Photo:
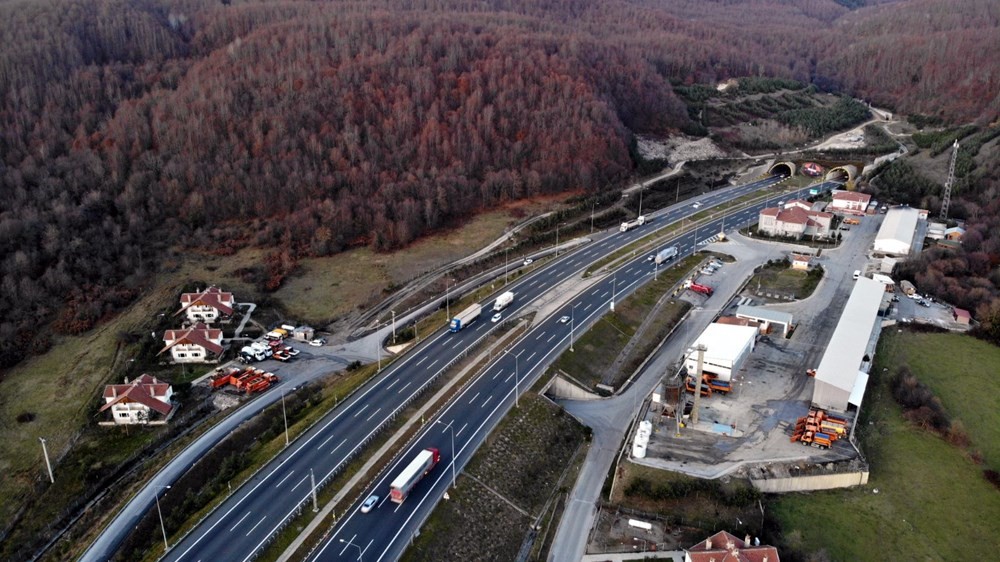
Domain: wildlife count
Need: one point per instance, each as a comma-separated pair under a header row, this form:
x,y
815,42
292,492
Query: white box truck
x,y
503,301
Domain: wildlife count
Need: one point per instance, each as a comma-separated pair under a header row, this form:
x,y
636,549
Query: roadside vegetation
x,y
601,347
511,493
777,277
921,476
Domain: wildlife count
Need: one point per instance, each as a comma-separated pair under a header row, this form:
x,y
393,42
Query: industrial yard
x,y
748,412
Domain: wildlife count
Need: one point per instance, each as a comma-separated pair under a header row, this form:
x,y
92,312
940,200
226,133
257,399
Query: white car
x,y
369,504
563,319
528,261
496,317
696,205
320,342
651,258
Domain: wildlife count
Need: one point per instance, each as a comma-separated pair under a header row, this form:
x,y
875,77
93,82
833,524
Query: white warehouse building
x,y
726,349
840,379
896,235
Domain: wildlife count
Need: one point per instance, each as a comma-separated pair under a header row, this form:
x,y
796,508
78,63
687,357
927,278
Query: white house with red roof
x,y
197,344
144,400
850,202
207,306
724,547
792,220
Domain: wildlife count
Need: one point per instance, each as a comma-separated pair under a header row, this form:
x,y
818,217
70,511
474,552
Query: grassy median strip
x,y
597,350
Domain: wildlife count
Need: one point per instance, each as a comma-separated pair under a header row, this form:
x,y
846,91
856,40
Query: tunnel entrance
x,y
786,169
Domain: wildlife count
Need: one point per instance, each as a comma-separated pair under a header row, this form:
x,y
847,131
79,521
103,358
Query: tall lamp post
x,y
163,529
447,300
516,375
453,459
357,546
572,324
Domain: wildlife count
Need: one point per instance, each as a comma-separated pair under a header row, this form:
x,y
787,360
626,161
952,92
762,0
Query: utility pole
x,y
393,326
48,465
592,205
447,299
557,238
505,264
163,528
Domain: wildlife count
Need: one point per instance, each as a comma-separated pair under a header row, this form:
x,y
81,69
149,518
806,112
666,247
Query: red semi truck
x,y
423,463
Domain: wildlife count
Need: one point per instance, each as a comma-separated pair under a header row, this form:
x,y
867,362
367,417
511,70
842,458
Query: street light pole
x,y
163,529
516,376
592,206
285,416
447,300
393,326
505,264
614,291
48,465
453,459
557,238
572,324
357,546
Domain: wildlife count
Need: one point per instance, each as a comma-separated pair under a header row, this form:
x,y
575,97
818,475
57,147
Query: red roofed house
x,y
962,316
795,222
197,344
207,306
724,547
801,261
138,401
804,205
850,202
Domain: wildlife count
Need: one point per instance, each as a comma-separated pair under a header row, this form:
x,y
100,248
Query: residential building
x,y
794,221
197,344
141,401
954,233
850,202
801,261
207,306
725,547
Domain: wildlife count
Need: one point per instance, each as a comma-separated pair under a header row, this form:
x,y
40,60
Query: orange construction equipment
x,y
819,429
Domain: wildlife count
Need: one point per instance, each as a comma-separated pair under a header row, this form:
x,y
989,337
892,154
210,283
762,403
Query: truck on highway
x,y
666,255
465,317
503,301
422,464
628,225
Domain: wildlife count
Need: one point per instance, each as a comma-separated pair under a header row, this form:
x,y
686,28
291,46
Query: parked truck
x,y
466,317
666,255
503,301
628,225
422,464
703,289
257,351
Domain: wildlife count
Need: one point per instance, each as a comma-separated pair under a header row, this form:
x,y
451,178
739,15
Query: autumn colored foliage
x,y
127,128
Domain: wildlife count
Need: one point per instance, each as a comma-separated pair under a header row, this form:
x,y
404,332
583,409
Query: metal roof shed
x,y
838,370
766,316
727,347
896,235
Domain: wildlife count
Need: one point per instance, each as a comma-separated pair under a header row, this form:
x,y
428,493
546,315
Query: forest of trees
x,y
131,126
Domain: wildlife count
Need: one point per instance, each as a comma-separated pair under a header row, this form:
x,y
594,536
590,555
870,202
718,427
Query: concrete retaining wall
x,y
562,388
810,483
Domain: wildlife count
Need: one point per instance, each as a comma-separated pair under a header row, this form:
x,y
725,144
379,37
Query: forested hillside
x,y
131,126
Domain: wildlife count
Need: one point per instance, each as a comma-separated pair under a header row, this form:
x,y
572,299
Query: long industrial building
x,y
895,237
726,349
840,380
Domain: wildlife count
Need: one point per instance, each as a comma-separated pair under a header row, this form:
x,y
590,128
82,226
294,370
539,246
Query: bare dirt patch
x,y
677,148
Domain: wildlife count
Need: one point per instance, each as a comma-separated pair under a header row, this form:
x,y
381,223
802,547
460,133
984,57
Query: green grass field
x,y
932,502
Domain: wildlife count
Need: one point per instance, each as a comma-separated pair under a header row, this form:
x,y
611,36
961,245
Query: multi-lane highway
x,y
384,533
245,522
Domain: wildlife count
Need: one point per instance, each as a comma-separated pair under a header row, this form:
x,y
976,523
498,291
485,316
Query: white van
x,y
857,273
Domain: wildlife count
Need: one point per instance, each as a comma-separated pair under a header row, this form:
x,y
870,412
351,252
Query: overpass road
x,y
244,523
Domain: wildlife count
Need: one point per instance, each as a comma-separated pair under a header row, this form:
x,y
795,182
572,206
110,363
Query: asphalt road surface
x,y
243,524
